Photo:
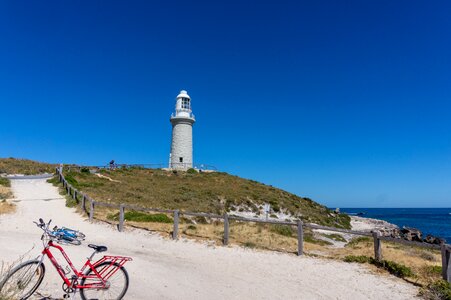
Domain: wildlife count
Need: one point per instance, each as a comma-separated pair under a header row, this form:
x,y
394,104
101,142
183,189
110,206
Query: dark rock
x,y
411,234
430,239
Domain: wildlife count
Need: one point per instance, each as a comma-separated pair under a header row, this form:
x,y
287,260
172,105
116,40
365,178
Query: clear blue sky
x,y
346,102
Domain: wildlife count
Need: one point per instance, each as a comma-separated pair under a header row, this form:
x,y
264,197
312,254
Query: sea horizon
x,y
435,221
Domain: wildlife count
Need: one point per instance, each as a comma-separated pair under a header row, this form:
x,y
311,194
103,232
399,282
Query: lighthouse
x,y
182,121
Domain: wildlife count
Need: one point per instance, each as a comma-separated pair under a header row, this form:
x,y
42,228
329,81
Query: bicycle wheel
x,y
22,281
69,241
74,242
115,288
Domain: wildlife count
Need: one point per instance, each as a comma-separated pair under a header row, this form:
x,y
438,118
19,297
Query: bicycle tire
x,y
25,267
75,242
69,241
99,267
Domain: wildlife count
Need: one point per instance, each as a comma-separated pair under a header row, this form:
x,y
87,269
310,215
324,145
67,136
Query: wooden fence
x,y
377,238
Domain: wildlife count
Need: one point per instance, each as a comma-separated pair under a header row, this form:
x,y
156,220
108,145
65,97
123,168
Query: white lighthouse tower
x,y
182,121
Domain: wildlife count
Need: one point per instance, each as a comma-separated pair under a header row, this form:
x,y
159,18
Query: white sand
x,y
368,224
165,269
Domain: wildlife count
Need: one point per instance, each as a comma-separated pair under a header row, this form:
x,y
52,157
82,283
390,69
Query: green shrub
x,y
90,184
284,230
361,259
436,270
70,202
143,217
191,171
5,181
71,180
191,227
438,290
249,245
344,221
137,216
394,268
54,180
85,170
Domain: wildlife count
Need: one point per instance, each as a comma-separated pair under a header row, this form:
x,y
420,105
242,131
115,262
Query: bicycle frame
x,y
102,276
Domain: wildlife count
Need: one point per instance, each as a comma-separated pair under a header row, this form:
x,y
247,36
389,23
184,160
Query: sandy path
x,y
165,269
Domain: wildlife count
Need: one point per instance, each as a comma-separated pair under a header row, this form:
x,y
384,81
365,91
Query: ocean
x,y
435,221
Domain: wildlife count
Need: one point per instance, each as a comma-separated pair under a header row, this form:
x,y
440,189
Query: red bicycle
x,y
103,279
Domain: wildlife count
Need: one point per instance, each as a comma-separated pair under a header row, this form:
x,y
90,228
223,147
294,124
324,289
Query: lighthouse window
x,y
185,103
181,159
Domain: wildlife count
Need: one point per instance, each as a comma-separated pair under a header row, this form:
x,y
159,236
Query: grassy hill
x,y
199,192
24,166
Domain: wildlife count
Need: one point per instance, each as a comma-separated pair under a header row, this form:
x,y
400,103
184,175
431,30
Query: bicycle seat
x,y
98,248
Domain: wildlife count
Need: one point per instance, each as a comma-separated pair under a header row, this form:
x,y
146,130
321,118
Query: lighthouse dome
x,y
183,94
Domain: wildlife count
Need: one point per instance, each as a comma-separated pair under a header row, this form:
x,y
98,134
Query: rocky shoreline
x,y
391,230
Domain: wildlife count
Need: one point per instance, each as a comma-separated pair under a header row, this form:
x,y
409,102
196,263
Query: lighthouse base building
x,y
182,120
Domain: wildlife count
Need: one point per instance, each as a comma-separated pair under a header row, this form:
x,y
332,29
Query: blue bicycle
x,y
66,235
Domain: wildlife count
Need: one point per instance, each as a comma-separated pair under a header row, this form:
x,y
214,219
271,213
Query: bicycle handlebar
x,y
45,228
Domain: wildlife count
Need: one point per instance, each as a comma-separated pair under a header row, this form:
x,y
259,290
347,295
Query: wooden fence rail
x,y
76,195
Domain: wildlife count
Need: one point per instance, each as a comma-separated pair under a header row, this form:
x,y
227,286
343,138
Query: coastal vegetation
x,y
137,216
437,290
394,268
215,192
24,166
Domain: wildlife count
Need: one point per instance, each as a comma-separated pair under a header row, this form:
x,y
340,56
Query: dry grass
x,y
5,193
24,166
6,207
423,262
254,235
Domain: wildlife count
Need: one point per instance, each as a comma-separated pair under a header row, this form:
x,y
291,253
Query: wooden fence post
x,y
377,246
226,230
121,217
300,238
74,194
175,231
83,199
446,262
91,210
